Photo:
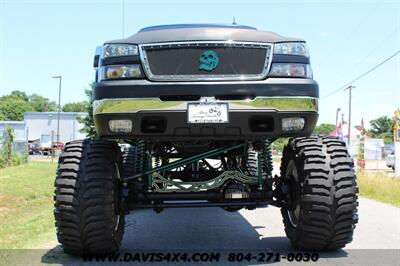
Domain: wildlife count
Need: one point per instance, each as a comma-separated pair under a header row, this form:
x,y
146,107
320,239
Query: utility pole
x,y
337,115
59,107
349,122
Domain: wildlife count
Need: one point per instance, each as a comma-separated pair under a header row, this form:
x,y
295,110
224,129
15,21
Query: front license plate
x,y
208,113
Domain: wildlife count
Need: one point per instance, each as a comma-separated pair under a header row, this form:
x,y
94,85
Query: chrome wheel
x,y
117,194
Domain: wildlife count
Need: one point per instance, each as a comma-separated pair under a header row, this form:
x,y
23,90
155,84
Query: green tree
x,y
75,107
7,149
382,127
12,108
324,129
42,104
279,144
2,116
20,95
8,157
87,121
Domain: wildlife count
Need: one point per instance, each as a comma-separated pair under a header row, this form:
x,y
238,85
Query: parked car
x,y
58,146
34,149
45,144
390,162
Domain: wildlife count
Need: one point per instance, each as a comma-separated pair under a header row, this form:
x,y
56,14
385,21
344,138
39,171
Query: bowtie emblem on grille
x,y
208,60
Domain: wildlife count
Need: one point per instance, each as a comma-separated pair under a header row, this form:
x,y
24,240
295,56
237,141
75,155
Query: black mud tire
x,y
322,211
87,193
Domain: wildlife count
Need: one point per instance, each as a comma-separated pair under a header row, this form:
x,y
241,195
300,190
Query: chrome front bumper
x,y
135,105
168,120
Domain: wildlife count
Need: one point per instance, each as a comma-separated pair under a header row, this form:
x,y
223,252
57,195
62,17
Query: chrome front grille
x,y
179,61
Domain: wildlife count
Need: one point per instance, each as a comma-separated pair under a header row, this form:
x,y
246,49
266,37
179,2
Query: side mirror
x,y
99,50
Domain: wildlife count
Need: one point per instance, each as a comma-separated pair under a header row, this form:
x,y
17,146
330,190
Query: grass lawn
x,y
379,186
26,205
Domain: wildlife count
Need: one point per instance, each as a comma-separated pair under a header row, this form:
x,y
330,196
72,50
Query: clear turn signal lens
x,y
120,72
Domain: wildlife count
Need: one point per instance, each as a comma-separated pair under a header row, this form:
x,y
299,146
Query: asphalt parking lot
x,y
213,230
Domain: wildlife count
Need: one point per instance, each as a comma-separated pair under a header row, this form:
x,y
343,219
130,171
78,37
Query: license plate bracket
x,y
207,113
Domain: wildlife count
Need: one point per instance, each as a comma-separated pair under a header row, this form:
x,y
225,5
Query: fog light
x,y
120,126
292,124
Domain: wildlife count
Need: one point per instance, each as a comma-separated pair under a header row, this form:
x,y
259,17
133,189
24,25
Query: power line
x,y
357,65
377,47
123,18
362,75
353,32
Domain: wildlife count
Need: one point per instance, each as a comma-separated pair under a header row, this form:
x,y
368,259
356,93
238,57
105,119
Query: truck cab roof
x,y
203,32
191,26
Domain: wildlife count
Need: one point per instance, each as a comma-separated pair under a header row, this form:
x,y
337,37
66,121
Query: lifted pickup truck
x,y
200,106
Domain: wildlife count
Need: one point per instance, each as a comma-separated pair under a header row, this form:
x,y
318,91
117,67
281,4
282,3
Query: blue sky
x,y
39,39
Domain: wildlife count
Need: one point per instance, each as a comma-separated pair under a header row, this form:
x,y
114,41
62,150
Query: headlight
x,y
290,70
112,50
291,48
120,72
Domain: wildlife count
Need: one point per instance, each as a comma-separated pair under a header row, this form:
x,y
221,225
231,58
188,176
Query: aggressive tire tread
x,y
327,193
85,201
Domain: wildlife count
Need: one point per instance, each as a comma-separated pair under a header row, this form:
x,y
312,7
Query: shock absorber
x,y
141,158
267,158
144,161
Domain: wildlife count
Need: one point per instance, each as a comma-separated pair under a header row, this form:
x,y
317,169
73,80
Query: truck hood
x,y
203,32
